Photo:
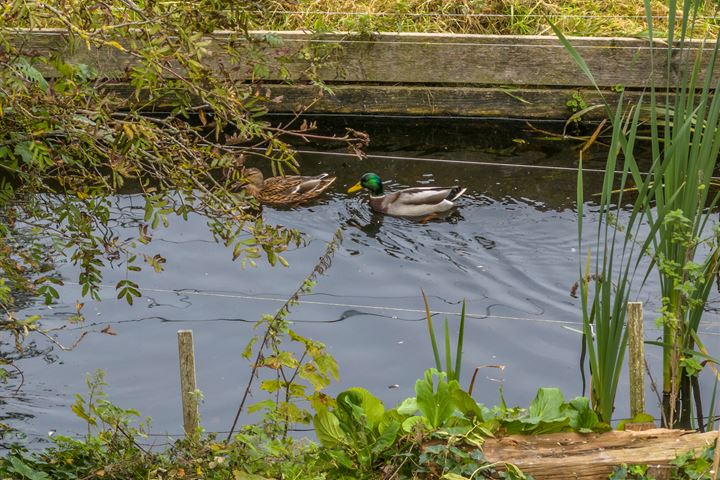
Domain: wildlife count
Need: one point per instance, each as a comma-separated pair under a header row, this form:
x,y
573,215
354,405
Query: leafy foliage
x,y
674,203
359,438
71,140
360,435
686,466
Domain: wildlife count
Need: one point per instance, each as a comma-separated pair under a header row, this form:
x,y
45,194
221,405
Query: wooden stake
x,y
187,381
636,358
716,458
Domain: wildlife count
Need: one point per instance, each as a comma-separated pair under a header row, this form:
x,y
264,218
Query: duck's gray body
x,y
416,201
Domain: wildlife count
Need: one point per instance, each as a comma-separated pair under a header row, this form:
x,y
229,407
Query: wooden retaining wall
x,y
416,73
563,456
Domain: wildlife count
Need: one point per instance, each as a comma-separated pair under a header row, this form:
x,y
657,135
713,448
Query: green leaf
x,y
327,428
436,405
247,351
23,149
547,404
20,467
408,406
30,73
361,402
466,404
584,418
409,423
387,439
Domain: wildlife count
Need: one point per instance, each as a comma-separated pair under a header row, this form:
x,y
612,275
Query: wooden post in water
x,y
187,381
636,358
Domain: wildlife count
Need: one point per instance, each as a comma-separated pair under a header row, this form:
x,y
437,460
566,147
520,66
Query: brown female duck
x,y
285,190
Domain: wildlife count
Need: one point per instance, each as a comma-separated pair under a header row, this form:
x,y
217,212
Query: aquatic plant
x,y
452,372
685,140
675,201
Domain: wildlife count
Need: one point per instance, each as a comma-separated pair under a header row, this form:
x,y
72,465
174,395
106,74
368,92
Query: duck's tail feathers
x,y
455,193
317,183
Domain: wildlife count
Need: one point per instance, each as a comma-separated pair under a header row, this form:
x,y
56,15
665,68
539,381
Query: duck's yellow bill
x,y
355,188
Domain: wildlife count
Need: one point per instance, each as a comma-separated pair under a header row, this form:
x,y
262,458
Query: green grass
x,y
499,17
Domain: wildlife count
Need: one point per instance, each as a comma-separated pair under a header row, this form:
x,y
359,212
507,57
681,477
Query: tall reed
x,y
669,221
685,138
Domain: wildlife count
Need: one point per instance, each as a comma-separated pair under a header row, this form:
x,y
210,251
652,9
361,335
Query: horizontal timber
x,y
537,103
413,73
561,456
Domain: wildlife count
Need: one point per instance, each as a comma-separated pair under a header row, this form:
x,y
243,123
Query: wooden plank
x,y
444,101
187,382
409,58
591,456
539,103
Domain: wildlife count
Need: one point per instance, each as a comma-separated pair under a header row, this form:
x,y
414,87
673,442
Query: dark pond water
x,y
509,249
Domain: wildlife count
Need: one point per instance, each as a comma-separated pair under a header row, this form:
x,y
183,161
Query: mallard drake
x,y
286,190
409,202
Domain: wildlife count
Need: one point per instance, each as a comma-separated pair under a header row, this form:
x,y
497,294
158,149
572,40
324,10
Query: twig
x,y
472,380
60,345
22,377
322,265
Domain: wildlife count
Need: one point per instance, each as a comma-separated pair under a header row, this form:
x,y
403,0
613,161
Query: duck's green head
x,y
371,181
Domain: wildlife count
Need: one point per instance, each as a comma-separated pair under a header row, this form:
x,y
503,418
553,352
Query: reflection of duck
x,y
287,190
409,202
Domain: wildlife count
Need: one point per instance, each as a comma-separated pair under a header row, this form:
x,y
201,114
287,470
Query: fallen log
x,y
563,456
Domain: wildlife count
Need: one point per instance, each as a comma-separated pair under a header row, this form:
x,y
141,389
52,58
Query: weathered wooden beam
x,y
188,386
561,456
420,100
409,58
636,357
539,103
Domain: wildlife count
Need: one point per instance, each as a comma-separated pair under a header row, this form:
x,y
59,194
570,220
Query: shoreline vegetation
x,y
66,147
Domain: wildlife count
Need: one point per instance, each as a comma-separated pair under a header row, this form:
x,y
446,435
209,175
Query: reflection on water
x,y
509,249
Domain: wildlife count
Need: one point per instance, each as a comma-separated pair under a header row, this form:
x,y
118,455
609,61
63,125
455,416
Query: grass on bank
x,y
498,17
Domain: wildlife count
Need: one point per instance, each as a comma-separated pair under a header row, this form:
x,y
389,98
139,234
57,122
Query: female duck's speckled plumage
x,y
287,190
409,202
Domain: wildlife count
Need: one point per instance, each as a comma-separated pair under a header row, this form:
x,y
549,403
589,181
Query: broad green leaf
x,y
547,404
387,439
20,467
436,406
388,418
584,418
465,403
409,423
370,406
408,406
327,428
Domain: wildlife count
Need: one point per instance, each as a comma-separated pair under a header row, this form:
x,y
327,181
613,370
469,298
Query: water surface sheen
x,y
509,250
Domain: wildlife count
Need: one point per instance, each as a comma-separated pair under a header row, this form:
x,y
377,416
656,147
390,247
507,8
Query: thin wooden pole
x,y
716,457
187,381
636,358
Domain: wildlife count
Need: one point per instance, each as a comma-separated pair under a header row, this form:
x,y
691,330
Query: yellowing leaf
x,y
115,44
128,131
